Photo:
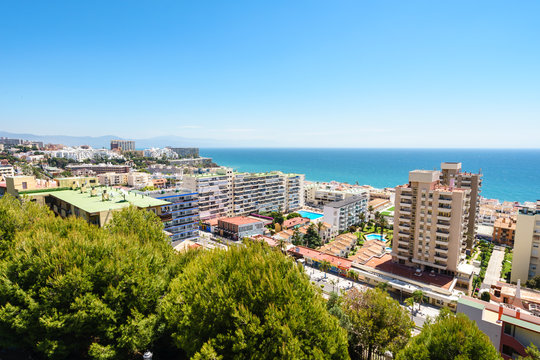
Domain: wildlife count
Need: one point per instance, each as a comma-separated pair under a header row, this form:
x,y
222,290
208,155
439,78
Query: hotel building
x,y
345,213
123,145
430,223
526,244
451,175
320,194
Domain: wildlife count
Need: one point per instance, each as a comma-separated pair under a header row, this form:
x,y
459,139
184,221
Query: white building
x,y
83,153
138,179
342,214
159,153
319,194
6,170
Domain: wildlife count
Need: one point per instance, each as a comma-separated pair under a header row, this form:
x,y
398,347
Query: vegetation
x,y
293,215
485,296
376,323
507,264
449,337
250,302
533,283
485,248
532,353
312,239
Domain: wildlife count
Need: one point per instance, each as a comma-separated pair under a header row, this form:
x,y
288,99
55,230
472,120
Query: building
x,y
11,142
345,213
239,227
430,223
76,181
158,153
225,193
215,192
341,246
504,230
180,215
319,194
526,244
510,329
5,171
451,175
186,152
295,223
123,145
16,185
113,179
82,153
91,169
138,179
195,161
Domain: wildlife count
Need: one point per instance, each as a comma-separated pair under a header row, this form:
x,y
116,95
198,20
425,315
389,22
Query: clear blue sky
x,y
275,73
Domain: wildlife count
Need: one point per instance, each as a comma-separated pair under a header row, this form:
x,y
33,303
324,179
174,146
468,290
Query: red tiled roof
x,y
319,256
384,263
239,220
295,221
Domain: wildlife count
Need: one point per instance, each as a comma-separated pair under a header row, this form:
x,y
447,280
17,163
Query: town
x,y
432,243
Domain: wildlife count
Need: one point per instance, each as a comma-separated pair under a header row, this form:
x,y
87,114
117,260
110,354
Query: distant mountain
x,y
104,141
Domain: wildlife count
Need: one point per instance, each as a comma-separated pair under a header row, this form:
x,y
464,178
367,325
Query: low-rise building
x,y
6,170
239,227
295,223
345,213
96,169
504,230
113,179
341,246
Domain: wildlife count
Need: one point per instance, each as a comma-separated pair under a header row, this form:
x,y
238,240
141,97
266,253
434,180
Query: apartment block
x,y
526,244
225,193
451,175
504,230
320,194
5,171
138,179
123,145
91,169
345,213
113,179
430,223
181,215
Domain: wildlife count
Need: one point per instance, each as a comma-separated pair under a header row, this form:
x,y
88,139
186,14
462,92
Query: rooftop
x,y
345,202
93,204
295,221
320,256
240,220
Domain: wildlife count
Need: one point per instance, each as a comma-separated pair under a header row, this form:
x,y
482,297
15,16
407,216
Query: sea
x,y
508,174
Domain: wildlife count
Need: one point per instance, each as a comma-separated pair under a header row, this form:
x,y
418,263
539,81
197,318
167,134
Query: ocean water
x,y
512,175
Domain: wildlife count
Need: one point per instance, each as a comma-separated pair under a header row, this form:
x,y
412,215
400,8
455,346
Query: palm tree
x,y
282,243
418,296
370,210
353,275
325,266
410,302
382,223
334,283
362,218
383,286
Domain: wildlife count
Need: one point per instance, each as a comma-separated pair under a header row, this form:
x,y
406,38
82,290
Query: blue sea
x,y
512,175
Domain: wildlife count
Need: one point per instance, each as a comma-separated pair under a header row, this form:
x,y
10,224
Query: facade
x,y
225,193
239,227
91,169
345,213
158,153
113,179
138,179
5,171
195,161
320,194
451,175
504,230
526,244
83,153
341,246
186,152
123,145
11,142
181,215
430,223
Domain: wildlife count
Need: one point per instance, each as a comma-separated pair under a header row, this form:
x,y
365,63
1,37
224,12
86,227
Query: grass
x,y
507,264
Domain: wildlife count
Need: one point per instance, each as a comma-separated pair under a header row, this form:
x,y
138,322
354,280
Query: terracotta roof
x,y
295,221
319,256
240,220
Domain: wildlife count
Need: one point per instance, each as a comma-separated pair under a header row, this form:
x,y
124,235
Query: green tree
x,y
533,283
250,302
410,303
377,323
485,296
293,215
450,337
325,266
312,238
418,297
69,289
532,353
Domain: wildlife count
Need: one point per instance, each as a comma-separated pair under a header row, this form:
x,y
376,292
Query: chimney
x,y
517,298
518,313
501,310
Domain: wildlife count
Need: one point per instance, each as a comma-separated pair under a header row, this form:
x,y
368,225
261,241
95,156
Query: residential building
x,y
113,179
180,215
319,194
96,169
504,231
138,179
526,244
158,153
186,152
341,246
451,175
510,328
196,161
370,249
239,227
430,223
17,185
76,181
82,153
123,145
11,142
345,213
215,192
6,170
295,223
253,192
165,169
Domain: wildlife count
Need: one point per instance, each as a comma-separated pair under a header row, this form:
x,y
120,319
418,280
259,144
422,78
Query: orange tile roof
x,y
319,256
239,220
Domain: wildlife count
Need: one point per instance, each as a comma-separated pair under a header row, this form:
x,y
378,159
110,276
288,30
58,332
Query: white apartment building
x,y
345,213
5,171
83,153
527,244
430,224
226,193
138,179
113,179
159,153
320,194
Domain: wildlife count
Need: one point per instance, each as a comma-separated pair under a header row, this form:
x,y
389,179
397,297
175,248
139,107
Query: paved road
x,y
493,271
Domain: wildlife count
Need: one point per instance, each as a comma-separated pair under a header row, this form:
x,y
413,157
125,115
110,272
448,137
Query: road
x,y
493,271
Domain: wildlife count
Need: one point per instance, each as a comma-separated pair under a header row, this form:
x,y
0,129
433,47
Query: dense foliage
x,y
251,302
376,323
450,337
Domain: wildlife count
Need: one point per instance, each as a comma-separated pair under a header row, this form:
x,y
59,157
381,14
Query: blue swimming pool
x,y
310,215
375,237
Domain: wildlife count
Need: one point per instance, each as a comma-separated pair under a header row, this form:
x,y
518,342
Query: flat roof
x,y
470,302
240,220
94,204
521,323
341,203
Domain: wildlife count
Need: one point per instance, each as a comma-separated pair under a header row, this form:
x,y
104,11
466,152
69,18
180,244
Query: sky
x,y
312,73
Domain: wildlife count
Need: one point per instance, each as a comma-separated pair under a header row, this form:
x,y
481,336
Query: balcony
x,y
440,257
441,249
404,211
403,242
445,201
443,225
442,233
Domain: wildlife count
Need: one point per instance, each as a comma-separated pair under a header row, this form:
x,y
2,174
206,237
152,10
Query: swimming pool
x,y
375,237
310,215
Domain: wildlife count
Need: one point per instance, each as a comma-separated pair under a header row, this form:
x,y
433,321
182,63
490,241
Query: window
x,y
25,185
508,329
508,350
